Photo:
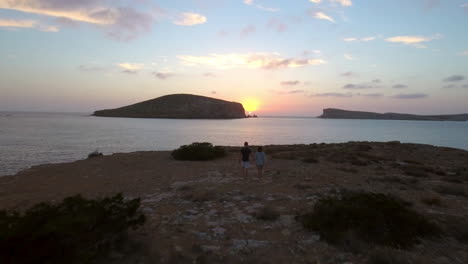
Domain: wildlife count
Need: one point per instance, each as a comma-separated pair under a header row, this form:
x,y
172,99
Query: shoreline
x,y
209,206
228,147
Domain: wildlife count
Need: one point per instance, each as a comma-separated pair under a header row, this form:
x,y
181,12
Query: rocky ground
x,y
206,212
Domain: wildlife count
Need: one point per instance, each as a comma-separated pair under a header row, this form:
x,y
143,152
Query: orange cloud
x,y
190,19
21,23
268,61
412,40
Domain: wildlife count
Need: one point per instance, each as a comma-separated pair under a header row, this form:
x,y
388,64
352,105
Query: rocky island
x,y
181,106
346,114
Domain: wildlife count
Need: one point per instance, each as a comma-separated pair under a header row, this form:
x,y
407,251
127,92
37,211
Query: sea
x,y
28,139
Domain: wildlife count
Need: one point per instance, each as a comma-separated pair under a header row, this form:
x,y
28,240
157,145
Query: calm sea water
x,y
28,139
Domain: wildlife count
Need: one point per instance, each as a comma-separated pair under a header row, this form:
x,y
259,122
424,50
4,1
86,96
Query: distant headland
x,y
181,106
346,114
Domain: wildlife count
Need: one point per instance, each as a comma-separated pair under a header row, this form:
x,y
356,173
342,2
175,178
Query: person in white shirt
x,y
260,160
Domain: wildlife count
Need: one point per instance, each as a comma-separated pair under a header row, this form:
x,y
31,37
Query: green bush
x,y
267,214
76,230
371,217
198,151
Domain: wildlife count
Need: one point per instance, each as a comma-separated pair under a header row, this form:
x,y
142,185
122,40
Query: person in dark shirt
x,y
245,158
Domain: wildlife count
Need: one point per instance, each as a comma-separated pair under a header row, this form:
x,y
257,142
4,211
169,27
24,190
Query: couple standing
x,y
259,158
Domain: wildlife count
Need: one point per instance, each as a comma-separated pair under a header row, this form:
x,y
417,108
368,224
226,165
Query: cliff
x,y
345,114
183,106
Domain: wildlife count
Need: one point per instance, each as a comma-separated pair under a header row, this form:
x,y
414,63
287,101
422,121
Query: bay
x,y
28,139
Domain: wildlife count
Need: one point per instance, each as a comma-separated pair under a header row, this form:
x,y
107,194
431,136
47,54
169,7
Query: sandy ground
x,y
204,212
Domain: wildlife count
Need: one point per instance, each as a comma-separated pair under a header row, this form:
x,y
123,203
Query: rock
x,y
218,231
346,114
186,106
210,248
246,246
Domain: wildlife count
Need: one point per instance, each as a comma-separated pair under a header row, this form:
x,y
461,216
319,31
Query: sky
x,y
277,57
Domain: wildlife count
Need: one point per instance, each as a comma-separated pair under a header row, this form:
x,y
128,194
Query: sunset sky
x,y
291,57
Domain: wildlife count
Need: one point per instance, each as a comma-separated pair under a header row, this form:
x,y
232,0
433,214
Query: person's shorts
x,y
245,164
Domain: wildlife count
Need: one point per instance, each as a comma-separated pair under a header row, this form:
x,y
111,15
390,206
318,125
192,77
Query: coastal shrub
x,y
432,200
415,171
372,217
457,227
267,214
198,151
451,189
310,159
95,154
395,256
76,230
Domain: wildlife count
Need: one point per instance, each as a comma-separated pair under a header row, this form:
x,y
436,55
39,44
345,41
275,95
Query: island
x,y
346,114
180,106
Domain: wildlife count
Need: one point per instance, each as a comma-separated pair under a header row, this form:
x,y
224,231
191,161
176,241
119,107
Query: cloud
x,y
290,83
131,66
264,8
373,95
415,41
163,75
322,15
213,92
343,2
277,25
348,56
267,61
347,74
296,91
353,86
465,86
449,86
316,1
410,96
353,39
123,23
91,68
465,7
190,19
464,53
209,74
12,23
340,95
248,30
454,78
400,86
26,23
376,81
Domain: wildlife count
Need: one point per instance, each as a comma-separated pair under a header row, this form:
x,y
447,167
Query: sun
x,y
250,104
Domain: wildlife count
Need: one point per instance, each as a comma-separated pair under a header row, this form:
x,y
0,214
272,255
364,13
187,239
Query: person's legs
x,y
260,170
245,168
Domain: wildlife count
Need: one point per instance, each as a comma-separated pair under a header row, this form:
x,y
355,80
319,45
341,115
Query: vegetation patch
x,y
349,170
457,227
201,196
95,154
373,218
433,200
198,151
395,256
310,159
415,171
76,230
451,189
401,180
267,214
